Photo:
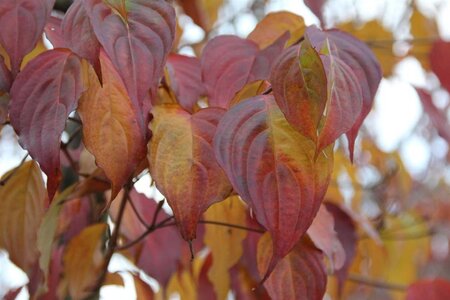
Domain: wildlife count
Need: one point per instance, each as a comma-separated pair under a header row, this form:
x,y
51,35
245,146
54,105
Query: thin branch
x,y
72,137
376,283
138,215
232,226
13,171
75,120
91,176
69,157
158,209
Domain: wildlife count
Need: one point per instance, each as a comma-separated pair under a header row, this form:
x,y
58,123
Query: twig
x,y
138,215
69,157
75,120
13,171
376,283
232,226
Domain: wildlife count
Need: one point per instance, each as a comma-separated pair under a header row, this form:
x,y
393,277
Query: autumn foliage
x,y
247,141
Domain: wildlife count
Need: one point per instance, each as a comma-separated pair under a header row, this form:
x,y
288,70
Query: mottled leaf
x,y
322,233
22,207
299,275
273,169
79,35
183,165
185,80
137,35
111,129
430,289
224,242
361,63
42,97
84,262
439,65
23,22
299,84
229,62
274,25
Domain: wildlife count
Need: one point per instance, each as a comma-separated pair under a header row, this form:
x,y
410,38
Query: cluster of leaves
x,y
240,141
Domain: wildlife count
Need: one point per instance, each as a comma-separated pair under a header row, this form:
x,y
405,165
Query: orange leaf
x,y
110,126
183,165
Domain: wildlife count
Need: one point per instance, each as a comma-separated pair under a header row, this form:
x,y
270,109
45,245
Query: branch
x,y
12,172
232,226
376,283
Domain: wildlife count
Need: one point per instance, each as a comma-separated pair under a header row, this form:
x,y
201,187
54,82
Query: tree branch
x,y
376,283
232,226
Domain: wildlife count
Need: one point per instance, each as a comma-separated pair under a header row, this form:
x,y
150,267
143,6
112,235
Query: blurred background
x,y
398,187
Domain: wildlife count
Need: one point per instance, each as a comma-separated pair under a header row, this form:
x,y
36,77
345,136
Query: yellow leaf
x,y
224,242
23,200
274,25
424,31
84,261
182,283
40,48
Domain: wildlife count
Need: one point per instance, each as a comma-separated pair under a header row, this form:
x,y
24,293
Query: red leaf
x,y
273,169
53,32
137,35
439,62
229,62
361,61
437,116
346,233
322,233
79,35
22,23
316,7
300,275
5,76
205,289
185,79
299,85
160,252
42,97
430,289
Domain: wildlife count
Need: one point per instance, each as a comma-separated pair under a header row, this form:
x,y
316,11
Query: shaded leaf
x,y
199,181
316,7
110,126
22,207
25,21
143,290
137,35
299,84
185,80
84,262
78,34
439,65
5,77
204,13
225,243
53,32
229,62
430,289
274,25
42,97
350,58
323,235
299,275
273,169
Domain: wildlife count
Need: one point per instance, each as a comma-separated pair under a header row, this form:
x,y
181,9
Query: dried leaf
x,y
22,207
110,126
273,169
299,275
42,97
199,180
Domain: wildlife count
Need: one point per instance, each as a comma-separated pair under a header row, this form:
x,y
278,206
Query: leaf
x,y
316,7
274,25
53,32
229,62
24,21
143,290
137,35
111,129
42,97
113,279
225,243
22,207
299,84
273,169
84,261
437,116
422,29
185,80
204,13
78,34
323,235
346,50
299,275
5,77
187,175
159,253
430,289
439,65
346,233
